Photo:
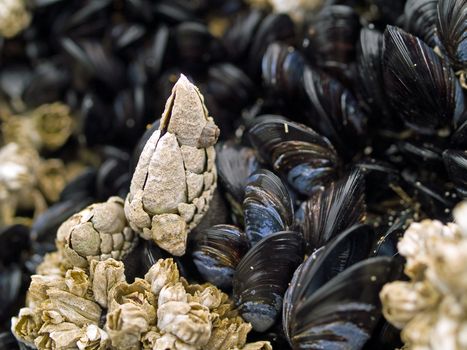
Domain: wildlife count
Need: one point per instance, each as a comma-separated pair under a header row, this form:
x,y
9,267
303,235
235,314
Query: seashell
x,y
237,38
14,241
216,253
330,38
389,12
452,26
425,153
175,178
370,74
11,282
332,310
419,85
420,17
455,162
274,27
156,51
282,70
98,232
262,277
347,249
235,164
334,111
267,206
306,159
333,209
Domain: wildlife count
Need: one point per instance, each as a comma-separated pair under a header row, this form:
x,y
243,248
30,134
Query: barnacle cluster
x,y
95,308
14,17
431,308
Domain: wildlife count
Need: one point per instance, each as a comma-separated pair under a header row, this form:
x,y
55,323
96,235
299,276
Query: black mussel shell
x,y
347,249
237,38
420,18
262,277
419,84
45,227
155,51
83,185
370,73
389,11
282,70
334,112
456,166
331,36
452,29
342,313
8,341
333,209
459,137
235,164
306,159
14,240
267,206
216,253
11,281
274,27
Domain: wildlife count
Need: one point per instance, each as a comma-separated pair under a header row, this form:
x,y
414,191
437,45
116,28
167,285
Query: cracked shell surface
x,y
175,177
98,232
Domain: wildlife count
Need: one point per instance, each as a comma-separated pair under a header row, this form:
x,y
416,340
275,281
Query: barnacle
x,y
47,127
163,272
175,178
14,17
430,308
105,275
98,232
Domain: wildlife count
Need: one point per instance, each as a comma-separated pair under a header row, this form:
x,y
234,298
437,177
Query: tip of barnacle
x,y
460,216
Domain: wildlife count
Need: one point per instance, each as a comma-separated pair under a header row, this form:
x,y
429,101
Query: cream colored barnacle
x,y
175,178
98,232
14,17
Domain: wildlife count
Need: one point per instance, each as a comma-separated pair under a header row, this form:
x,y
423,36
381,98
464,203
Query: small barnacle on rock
x,y
93,338
162,273
98,232
14,17
105,275
175,178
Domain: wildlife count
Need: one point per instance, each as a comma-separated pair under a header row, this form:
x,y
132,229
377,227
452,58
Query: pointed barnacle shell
x,y
175,178
228,333
93,338
39,286
162,273
51,265
98,232
77,281
402,301
14,17
26,326
125,325
137,293
105,275
58,336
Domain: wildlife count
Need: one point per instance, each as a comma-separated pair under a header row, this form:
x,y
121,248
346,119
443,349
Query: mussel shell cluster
x,y
336,133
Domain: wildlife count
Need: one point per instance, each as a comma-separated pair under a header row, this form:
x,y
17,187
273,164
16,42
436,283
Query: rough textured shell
x,y
175,177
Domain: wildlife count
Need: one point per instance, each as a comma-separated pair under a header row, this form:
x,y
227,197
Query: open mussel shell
x,y
348,248
330,38
333,111
267,206
235,164
452,26
419,84
455,162
306,159
217,251
262,277
342,313
332,210
420,18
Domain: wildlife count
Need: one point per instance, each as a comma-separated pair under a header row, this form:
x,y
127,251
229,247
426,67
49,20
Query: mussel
x,y
262,277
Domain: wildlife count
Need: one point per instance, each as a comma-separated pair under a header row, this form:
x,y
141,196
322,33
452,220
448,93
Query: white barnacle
x,y
175,177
